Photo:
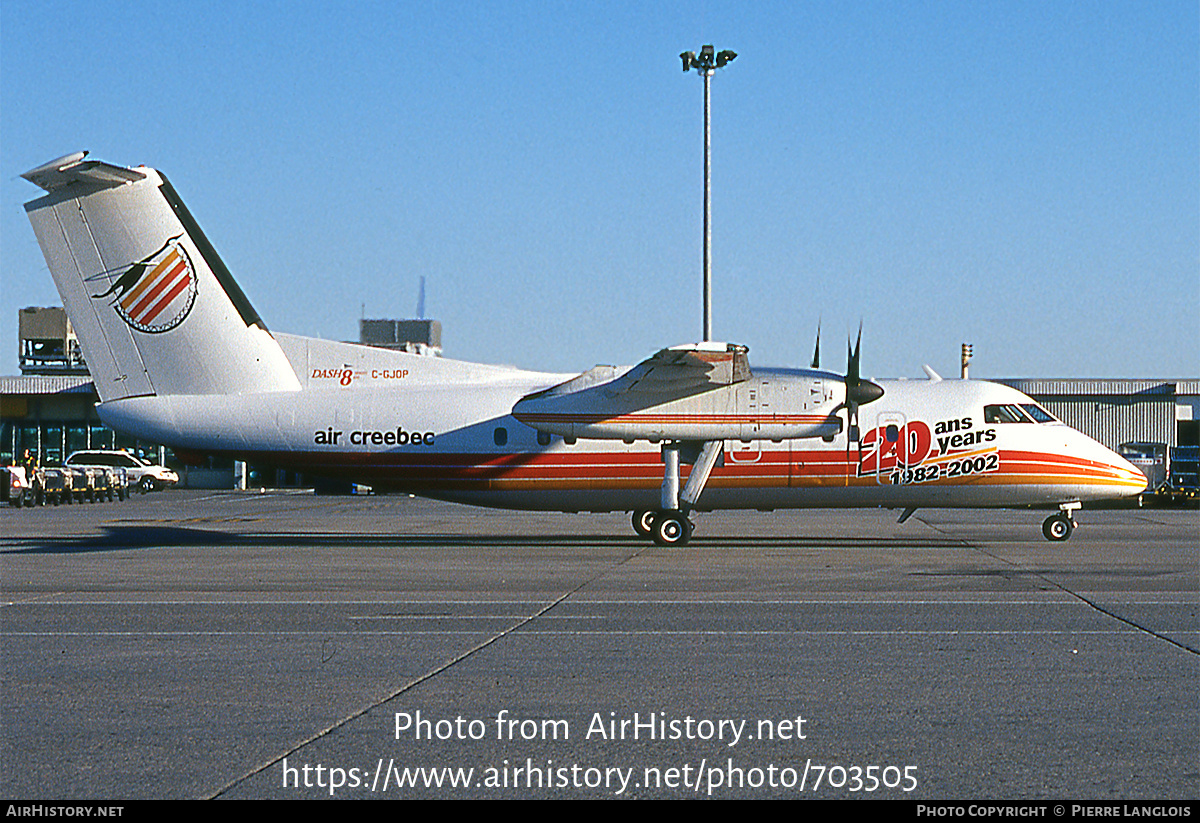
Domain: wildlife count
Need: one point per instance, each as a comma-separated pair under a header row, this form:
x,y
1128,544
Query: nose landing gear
x,y
1059,526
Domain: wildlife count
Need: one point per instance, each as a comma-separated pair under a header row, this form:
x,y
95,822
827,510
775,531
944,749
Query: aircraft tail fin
x,y
155,309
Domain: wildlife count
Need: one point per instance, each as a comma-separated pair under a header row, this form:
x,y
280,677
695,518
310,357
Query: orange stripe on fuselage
x,y
615,470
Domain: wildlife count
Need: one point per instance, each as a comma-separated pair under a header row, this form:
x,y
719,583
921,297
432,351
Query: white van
x,y
142,473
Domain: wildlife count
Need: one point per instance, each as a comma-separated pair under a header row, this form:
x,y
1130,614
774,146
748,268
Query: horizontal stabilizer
x,y
72,168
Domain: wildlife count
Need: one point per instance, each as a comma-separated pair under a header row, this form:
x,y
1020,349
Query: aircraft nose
x,y
1127,478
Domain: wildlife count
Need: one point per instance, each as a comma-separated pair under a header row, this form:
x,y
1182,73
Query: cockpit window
x,y
1038,413
1005,413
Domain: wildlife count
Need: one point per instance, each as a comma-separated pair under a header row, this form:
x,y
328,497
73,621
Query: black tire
x,y
1058,527
147,485
672,529
643,523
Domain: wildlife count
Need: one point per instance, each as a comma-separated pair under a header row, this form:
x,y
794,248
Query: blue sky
x,y
1023,176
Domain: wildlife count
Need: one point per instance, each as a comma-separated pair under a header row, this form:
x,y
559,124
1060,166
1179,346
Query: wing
x,y
664,397
679,371
695,392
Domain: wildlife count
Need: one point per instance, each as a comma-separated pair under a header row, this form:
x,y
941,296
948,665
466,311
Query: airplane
x,y
179,356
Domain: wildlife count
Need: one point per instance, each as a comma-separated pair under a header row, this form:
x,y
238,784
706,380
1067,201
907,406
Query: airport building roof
x,y
30,384
1099,386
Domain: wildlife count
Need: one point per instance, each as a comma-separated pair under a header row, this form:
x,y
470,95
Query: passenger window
x,y
891,433
500,436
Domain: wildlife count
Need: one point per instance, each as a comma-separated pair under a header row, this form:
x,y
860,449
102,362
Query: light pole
x,y
706,66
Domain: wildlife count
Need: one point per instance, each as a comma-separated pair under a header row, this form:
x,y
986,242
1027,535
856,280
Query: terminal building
x,y
50,407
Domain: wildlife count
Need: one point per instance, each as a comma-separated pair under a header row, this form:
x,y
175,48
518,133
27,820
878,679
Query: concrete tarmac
x,y
235,645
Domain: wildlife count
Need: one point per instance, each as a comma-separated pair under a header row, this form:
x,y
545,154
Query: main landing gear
x,y
669,525
1059,526
666,528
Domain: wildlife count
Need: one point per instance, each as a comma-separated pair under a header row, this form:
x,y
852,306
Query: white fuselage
x,y
444,429
178,355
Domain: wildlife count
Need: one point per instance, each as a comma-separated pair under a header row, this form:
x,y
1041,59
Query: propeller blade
x,y
853,381
858,392
853,378
816,361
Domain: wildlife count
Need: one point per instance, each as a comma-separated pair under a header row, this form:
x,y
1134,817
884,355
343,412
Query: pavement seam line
x,y
1093,604
416,682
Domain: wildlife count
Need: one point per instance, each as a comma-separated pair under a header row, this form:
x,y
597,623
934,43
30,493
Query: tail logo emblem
x,y
154,294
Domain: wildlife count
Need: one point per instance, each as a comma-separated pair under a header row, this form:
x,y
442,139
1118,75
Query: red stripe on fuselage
x,y
633,470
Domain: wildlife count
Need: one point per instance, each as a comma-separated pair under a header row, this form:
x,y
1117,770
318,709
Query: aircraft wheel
x,y
643,523
672,529
1058,527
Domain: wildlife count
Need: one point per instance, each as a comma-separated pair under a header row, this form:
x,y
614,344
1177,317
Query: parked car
x,y
15,488
140,473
